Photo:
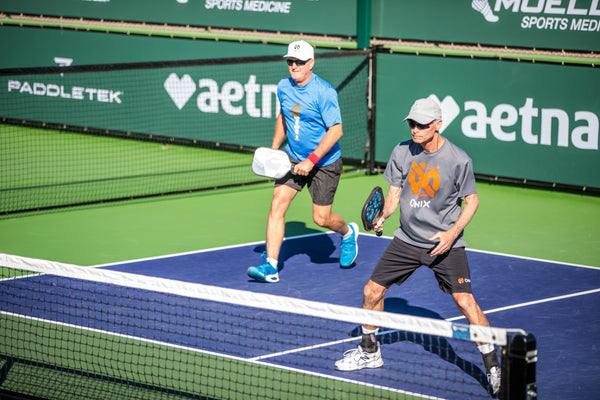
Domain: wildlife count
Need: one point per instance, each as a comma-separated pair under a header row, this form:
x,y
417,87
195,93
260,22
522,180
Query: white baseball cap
x,y
423,111
300,50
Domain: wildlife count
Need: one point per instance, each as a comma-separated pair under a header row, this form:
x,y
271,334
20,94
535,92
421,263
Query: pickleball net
x,y
71,332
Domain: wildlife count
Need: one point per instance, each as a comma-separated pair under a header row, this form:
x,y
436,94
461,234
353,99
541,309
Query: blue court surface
x,y
558,303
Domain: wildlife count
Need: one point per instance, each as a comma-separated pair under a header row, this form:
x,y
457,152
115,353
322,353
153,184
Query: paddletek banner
x,y
227,103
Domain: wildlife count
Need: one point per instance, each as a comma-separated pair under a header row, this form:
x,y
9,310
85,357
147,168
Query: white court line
x,y
531,303
533,259
301,349
323,233
186,253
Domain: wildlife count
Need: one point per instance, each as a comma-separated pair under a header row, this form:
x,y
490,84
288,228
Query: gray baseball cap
x,y
424,111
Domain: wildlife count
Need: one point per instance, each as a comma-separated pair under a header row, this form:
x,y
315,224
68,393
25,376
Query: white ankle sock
x,y
486,348
369,331
272,261
348,234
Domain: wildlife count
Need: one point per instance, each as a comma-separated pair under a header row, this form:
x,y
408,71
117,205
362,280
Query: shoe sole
x,y
378,365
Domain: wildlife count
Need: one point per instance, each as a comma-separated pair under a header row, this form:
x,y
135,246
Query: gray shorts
x,y
322,182
400,260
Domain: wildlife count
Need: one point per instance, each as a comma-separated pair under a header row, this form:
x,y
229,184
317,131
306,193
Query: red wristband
x,y
313,158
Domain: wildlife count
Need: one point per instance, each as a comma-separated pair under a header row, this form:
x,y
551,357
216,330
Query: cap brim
x,y
419,118
294,56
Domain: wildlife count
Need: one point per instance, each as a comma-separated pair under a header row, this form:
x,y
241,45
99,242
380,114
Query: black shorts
x,y
400,260
322,182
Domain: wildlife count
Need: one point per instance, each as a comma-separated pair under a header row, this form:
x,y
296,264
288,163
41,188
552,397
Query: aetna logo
x,y
233,98
526,122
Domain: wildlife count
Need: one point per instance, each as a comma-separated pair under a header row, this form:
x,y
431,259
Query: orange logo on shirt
x,y
296,110
424,180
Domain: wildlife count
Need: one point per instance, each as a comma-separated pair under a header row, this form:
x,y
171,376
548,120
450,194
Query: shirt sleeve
x,y
466,179
330,108
394,172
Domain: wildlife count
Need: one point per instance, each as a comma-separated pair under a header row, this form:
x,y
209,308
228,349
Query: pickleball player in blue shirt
x,y
310,118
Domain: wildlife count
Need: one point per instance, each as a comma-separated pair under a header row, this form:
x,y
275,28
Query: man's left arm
x,y
448,237
332,136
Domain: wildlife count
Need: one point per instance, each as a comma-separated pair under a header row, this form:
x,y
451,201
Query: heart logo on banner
x,y
450,110
180,90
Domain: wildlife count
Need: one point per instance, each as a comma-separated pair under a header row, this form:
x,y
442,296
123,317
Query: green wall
x,y
561,24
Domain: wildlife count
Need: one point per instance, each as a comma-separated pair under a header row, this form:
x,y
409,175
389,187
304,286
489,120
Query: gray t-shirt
x,y
433,188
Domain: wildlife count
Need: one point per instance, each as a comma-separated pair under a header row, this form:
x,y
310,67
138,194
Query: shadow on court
x,y
319,248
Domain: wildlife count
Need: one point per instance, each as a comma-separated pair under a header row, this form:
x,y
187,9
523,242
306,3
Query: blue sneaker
x,y
265,272
349,247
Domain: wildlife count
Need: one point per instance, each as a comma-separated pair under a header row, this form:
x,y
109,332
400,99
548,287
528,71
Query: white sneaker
x,y
493,372
358,359
493,377
265,272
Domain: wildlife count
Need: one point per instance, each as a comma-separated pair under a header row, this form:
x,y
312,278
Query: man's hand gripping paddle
x,y
373,209
271,163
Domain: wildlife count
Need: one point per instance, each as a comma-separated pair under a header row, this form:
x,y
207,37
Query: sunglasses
x,y
412,124
297,62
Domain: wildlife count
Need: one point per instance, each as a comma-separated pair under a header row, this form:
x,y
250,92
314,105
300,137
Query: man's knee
x,y
320,219
282,198
464,301
468,306
373,293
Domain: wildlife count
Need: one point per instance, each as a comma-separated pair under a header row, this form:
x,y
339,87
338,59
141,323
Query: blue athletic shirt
x,y
309,111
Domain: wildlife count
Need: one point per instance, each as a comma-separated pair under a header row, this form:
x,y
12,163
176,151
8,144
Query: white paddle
x,y
271,163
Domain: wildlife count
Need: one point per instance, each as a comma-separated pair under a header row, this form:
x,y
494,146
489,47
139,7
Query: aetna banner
x,y
518,120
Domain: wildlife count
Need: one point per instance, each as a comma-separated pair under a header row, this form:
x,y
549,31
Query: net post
x,y
519,359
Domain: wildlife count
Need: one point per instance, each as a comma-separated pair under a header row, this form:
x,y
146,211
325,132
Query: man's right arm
x,y
280,132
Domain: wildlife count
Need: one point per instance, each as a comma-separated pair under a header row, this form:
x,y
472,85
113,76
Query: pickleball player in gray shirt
x,y
433,182
426,205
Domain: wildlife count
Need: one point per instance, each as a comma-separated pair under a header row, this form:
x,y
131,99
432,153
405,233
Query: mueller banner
x,y
542,24
518,120
333,17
